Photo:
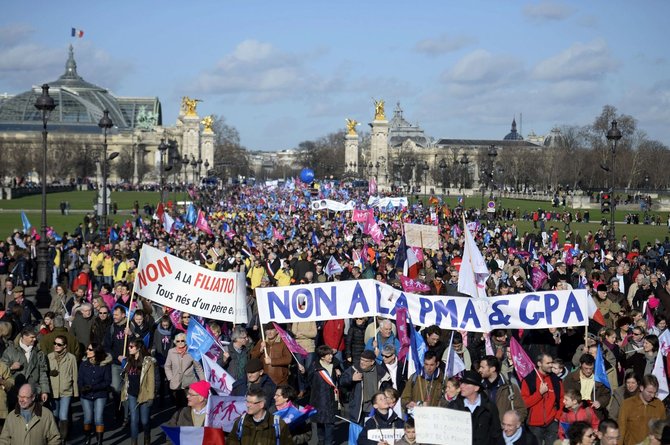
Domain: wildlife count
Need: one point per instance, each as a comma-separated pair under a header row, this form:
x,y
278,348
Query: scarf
x,y
27,350
181,350
60,355
514,437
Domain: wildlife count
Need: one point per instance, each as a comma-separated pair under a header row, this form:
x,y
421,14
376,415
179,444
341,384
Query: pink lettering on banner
x,y
360,216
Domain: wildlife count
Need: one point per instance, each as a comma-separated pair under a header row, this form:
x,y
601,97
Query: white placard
x,y
442,426
422,235
390,435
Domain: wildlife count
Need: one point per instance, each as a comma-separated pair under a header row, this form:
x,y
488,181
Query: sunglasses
x,y
387,356
59,344
186,316
90,349
103,313
180,341
132,347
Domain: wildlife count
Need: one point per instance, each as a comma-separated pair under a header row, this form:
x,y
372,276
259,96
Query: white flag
x,y
223,410
659,373
474,273
221,381
333,267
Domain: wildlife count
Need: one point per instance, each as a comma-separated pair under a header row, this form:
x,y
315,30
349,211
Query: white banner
x,y
329,204
388,435
366,298
223,410
179,284
422,235
442,426
400,201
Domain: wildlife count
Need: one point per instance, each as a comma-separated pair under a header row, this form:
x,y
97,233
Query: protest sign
x,y
223,410
422,235
442,426
376,201
329,204
360,216
388,435
365,298
186,287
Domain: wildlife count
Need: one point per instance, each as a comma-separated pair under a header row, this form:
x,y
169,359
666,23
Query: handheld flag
x,y
454,364
194,435
522,363
333,267
223,410
202,224
473,273
290,342
221,381
198,340
659,373
354,431
403,337
26,223
191,214
600,374
418,348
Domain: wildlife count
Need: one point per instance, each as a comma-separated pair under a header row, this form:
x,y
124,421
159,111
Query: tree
x,y
231,158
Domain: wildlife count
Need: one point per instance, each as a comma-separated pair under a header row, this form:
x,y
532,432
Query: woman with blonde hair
x,y
181,369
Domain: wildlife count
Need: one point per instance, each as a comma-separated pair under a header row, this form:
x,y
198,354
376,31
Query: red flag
x,y
594,312
522,363
160,211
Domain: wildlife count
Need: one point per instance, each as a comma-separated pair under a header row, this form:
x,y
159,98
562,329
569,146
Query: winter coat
x,y
333,334
31,371
355,342
240,388
41,430
280,358
419,389
526,438
237,361
355,389
180,369
305,334
64,384
503,401
114,341
377,422
322,396
162,342
259,433
486,427
147,382
584,413
542,408
97,376
47,342
7,385
81,329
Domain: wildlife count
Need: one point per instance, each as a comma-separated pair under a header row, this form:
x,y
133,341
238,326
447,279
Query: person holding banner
x,y
275,355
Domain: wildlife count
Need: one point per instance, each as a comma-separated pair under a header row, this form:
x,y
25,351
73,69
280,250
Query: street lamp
x,y
46,105
206,167
412,167
193,164
492,153
464,170
162,148
443,168
613,135
425,169
199,167
105,123
353,167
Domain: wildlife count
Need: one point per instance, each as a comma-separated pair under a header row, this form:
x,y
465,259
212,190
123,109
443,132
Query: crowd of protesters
x,y
84,346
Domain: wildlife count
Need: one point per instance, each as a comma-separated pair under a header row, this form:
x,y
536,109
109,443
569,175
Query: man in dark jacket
x,y
362,381
514,432
504,393
485,420
383,418
258,426
255,379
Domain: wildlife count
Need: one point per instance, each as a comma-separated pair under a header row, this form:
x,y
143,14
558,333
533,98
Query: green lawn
x,y
11,219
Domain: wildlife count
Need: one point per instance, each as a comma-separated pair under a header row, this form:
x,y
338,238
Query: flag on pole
x,y
26,223
454,364
418,349
194,435
77,32
410,285
659,373
168,222
202,224
198,340
412,264
191,214
333,267
522,363
221,381
290,342
473,273
594,312
403,337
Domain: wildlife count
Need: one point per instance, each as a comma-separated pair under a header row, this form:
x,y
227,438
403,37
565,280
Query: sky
x,y
283,72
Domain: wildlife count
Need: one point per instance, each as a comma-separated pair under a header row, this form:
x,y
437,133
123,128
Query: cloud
x,y
546,11
581,61
482,71
10,35
442,44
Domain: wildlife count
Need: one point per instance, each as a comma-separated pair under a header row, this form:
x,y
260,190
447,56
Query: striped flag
x,y
77,32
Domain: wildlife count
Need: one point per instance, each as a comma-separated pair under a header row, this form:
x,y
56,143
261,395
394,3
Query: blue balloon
x,y
307,175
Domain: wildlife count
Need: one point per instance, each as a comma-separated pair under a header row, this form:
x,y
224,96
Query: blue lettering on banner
x,y
523,316
470,314
358,297
497,316
550,305
426,306
274,300
447,309
572,307
322,299
307,303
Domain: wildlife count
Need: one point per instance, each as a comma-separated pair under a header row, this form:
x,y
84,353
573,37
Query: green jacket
x,y
262,433
41,430
31,371
147,382
65,383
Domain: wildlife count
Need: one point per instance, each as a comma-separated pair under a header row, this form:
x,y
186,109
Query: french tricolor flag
x,y
193,435
77,32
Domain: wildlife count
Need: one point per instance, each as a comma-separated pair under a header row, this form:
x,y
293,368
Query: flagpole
x,y
265,348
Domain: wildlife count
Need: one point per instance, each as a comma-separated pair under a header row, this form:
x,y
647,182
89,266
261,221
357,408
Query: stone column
x,y
379,151
207,150
351,153
190,143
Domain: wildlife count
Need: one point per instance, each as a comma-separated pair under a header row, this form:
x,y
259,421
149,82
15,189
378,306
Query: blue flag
x,y
191,214
418,347
146,340
315,240
250,243
354,431
113,235
26,223
198,340
401,254
600,372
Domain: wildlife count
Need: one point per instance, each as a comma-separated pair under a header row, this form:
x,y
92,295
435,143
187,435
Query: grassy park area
x,y
81,202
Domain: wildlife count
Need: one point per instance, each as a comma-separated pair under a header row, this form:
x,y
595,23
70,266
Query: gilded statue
x,y
351,126
189,105
379,110
208,121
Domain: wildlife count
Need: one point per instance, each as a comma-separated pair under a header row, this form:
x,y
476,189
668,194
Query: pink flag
x,y
410,285
290,342
403,337
522,363
202,224
372,186
360,216
372,229
651,323
488,345
538,277
277,234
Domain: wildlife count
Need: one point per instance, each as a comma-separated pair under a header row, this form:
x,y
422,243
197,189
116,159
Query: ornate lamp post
x,y
491,153
199,168
443,168
46,105
105,123
425,169
412,166
194,163
613,135
162,147
464,169
206,167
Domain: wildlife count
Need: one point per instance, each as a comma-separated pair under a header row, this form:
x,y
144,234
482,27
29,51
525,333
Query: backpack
x,y
275,422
